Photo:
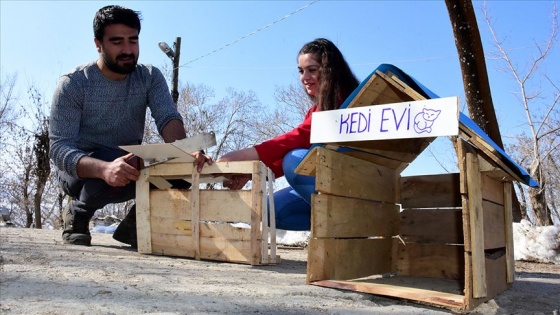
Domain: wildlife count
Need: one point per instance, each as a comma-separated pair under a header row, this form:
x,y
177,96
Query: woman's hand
x,y
248,154
237,181
200,159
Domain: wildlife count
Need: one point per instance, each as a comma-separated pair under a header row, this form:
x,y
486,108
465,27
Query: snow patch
x,y
536,243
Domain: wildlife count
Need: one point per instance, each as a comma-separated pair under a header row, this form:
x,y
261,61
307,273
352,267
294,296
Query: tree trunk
x,y
475,76
42,172
25,204
537,196
473,67
37,199
28,219
522,203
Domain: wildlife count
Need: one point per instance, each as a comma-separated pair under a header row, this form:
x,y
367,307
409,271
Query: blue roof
x,y
464,119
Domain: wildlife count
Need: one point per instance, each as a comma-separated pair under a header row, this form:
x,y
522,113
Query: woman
x,y
328,80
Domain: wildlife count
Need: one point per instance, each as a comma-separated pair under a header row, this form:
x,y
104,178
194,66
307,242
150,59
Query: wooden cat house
x,y
443,240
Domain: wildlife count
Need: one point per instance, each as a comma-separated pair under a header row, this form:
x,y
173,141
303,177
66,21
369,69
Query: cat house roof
x,y
389,84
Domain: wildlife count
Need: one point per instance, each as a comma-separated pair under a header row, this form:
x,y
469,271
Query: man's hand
x,y
119,172
200,159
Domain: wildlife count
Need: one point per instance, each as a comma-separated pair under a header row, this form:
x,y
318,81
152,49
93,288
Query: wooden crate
x,y
444,240
219,224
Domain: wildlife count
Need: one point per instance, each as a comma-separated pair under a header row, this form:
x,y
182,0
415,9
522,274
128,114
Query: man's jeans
x,y
90,194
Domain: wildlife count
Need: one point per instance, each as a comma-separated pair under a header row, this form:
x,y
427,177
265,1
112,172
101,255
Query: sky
x,y
252,45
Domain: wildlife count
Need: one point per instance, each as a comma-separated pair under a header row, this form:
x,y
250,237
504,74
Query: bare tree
x,y
8,112
539,147
234,119
28,173
42,167
8,115
292,105
18,176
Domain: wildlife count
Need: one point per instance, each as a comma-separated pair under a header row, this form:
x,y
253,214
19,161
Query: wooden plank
x,y
186,169
171,203
375,91
479,142
374,158
490,169
172,245
256,215
225,205
443,226
341,259
475,208
396,82
175,203
195,208
496,275
431,297
227,251
335,216
496,279
383,89
342,175
308,164
462,148
403,150
431,260
160,182
430,191
143,228
488,150
271,216
171,226
494,229
492,189
224,242
508,221
263,224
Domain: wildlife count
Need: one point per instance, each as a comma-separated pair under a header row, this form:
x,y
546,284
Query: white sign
x,y
420,119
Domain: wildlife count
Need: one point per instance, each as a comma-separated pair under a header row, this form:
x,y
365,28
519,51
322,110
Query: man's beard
x,y
117,68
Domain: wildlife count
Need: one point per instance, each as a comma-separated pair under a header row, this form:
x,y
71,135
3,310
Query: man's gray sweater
x,y
90,112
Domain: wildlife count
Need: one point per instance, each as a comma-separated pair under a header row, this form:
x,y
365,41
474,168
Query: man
x,y
100,106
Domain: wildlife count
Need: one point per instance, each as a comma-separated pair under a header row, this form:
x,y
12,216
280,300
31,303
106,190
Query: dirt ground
x,y
40,275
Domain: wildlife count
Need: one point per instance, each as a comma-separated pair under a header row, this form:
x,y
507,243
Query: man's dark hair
x,y
336,80
114,14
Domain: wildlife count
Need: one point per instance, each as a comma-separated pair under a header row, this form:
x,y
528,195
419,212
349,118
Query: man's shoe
x,y
126,231
76,238
76,232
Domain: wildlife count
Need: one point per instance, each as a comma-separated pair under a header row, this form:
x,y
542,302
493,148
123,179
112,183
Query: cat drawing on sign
x,y
424,120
